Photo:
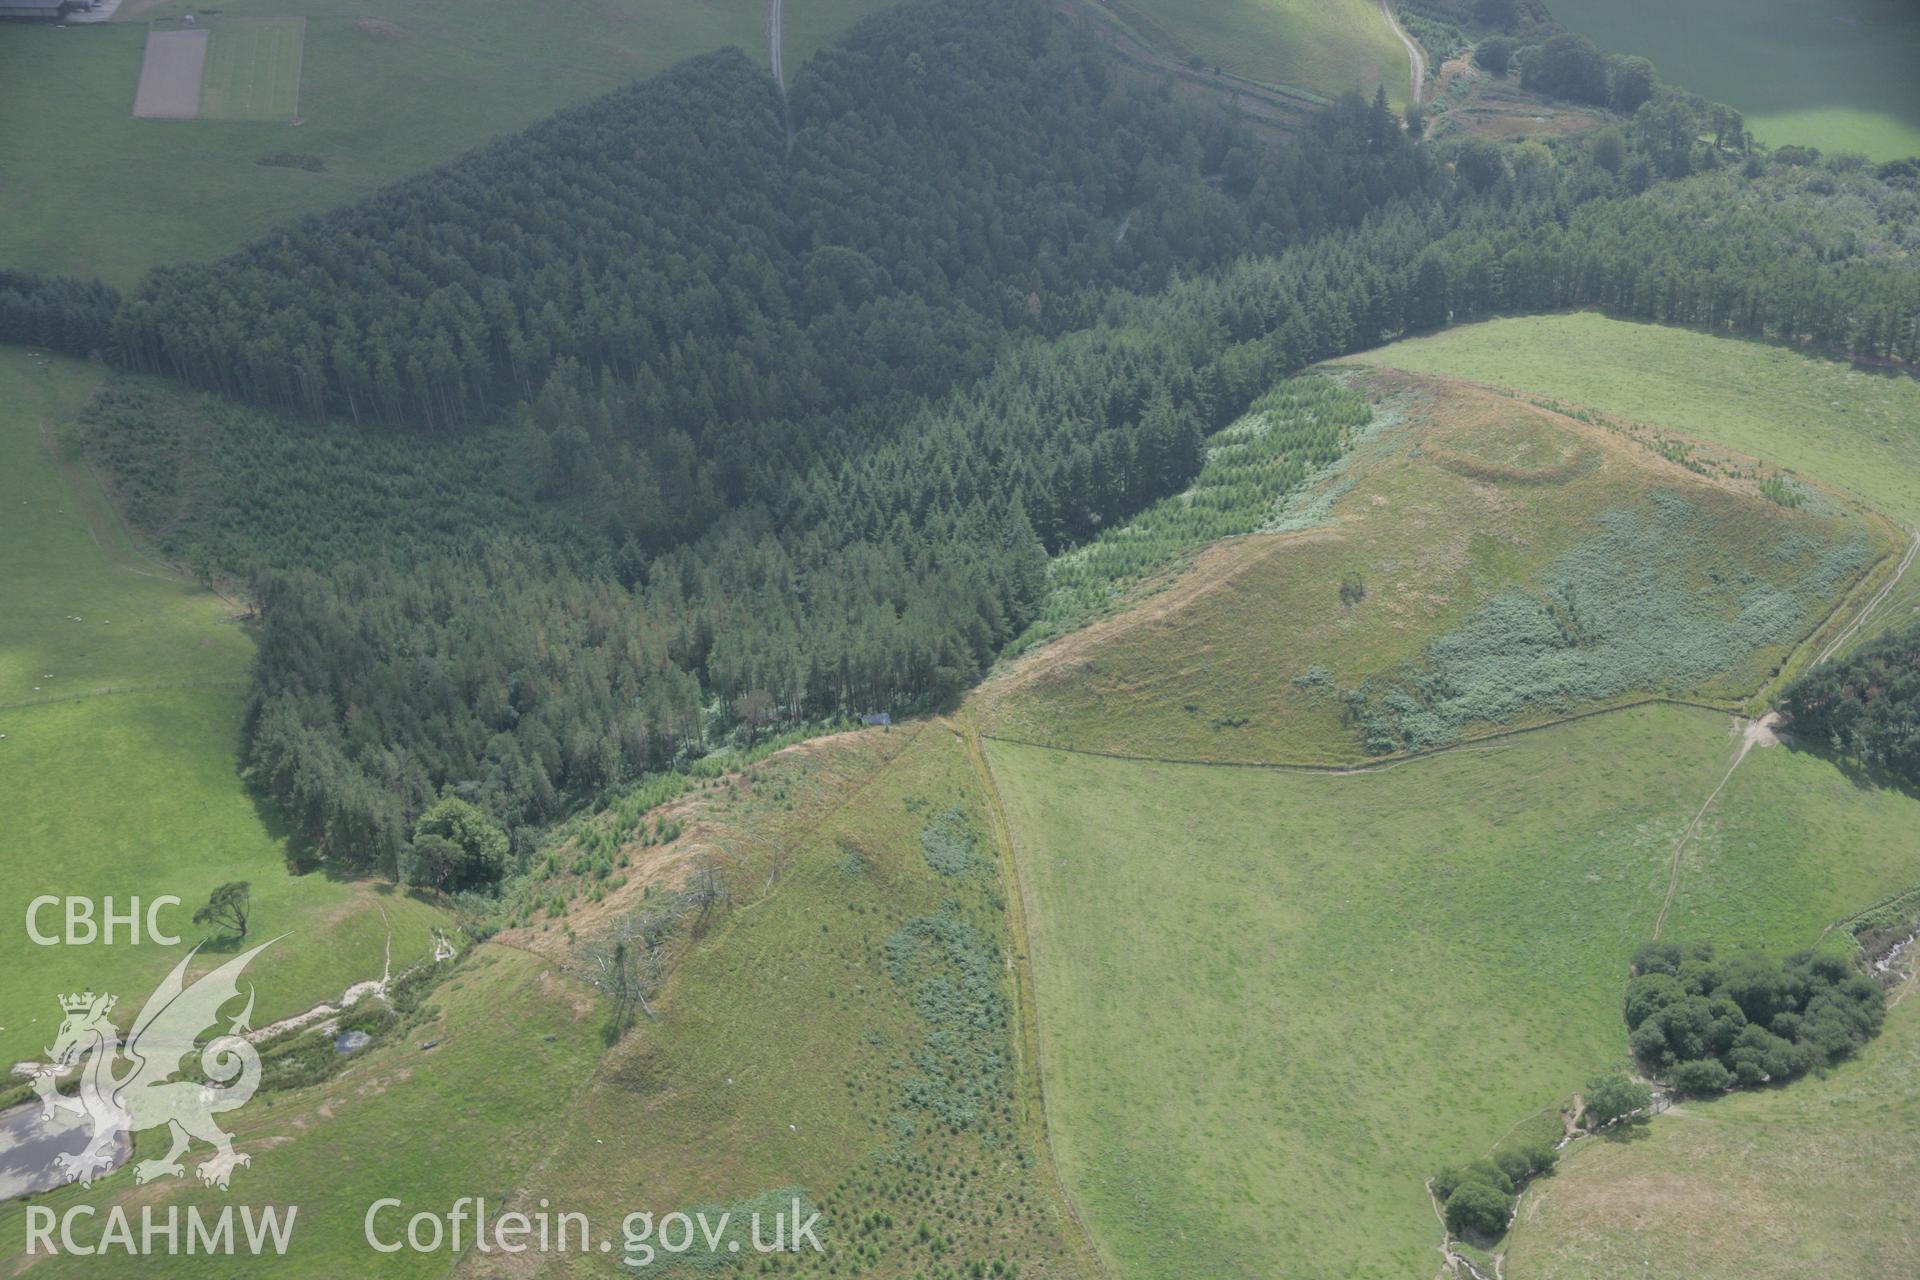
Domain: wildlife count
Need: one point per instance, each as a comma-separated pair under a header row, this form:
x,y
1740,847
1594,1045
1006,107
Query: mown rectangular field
x,y
1271,1003
253,69
170,75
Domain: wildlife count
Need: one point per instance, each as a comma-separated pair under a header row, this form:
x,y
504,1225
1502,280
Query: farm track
x,y
1906,562
1756,733
1760,732
1487,742
1274,106
775,57
1416,55
108,691
1025,989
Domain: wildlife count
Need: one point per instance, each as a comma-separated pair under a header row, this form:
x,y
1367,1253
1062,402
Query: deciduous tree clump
x,y
1709,1023
1477,1198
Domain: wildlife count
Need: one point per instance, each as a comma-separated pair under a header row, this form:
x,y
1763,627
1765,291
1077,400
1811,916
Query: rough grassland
x,y
515,1039
1327,46
1815,1179
396,87
1855,429
1271,1002
118,769
1482,532
1836,74
787,1044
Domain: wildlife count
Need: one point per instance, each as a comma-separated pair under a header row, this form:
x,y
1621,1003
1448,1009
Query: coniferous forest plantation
x,y
933,626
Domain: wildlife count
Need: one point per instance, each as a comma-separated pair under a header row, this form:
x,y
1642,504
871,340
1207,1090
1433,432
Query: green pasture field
x,y
396,87
118,772
1854,428
512,1043
1814,1179
253,70
1676,583
1272,1002
1836,74
1326,46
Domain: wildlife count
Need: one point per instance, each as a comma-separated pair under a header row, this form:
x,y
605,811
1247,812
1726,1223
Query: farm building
x,y
41,10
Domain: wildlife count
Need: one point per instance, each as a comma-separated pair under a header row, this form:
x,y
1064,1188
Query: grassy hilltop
x,y
1850,427
1593,567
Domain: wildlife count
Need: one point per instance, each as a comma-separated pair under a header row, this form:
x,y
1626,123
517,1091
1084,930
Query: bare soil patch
x,y
170,75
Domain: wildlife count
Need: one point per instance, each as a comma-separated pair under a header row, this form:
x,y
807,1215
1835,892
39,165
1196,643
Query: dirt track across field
x,y
1416,55
170,75
773,45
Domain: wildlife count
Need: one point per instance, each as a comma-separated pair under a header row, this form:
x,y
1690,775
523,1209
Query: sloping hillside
x,y
1477,563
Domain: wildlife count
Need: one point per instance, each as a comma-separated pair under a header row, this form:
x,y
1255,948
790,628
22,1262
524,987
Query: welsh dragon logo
x,y
125,1089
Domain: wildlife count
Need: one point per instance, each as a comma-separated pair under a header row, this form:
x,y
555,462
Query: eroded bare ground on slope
x,y
1466,100
741,824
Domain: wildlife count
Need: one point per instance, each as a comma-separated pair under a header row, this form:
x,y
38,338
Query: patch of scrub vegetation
x,y
1649,604
961,1067
1249,471
843,1023
594,853
949,840
464,1103
1197,1020
1593,568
